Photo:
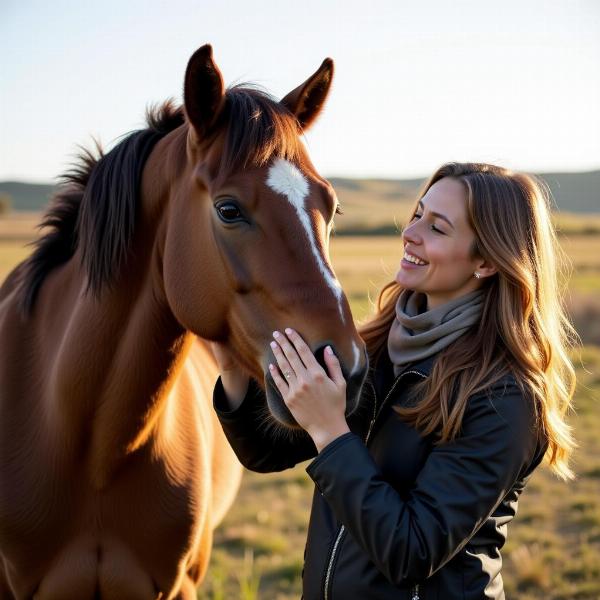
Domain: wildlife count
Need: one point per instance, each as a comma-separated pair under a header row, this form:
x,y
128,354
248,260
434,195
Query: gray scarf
x,y
416,335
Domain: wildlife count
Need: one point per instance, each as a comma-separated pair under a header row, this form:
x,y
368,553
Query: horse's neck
x,y
118,359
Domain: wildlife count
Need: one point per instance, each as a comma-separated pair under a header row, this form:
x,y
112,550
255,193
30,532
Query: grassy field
x,y
553,549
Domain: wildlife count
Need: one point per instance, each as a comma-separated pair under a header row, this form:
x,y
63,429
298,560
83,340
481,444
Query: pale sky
x,y
514,82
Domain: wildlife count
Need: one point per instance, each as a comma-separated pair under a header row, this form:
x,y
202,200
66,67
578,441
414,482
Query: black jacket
x,y
399,517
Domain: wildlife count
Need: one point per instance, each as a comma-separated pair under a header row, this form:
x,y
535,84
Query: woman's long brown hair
x,y
523,329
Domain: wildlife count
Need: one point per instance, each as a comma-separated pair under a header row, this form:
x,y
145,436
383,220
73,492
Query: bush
x,y
5,203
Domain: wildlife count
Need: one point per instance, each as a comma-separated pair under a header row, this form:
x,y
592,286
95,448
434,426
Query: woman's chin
x,y
406,282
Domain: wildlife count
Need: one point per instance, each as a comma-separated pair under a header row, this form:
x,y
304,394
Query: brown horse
x,y
211,224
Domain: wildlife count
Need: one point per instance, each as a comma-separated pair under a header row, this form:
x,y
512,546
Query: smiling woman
x,y
439,246
469,389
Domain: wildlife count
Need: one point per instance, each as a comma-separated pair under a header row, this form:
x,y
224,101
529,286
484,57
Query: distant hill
x,y
573,192
27,196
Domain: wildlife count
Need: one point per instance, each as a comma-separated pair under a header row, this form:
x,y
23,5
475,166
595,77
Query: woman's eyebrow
x,y
437,214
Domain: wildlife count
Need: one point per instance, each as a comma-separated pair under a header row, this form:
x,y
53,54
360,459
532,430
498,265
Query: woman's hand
x,y
317,401
235,381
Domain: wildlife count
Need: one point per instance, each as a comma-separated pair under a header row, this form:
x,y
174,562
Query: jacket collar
x,y
424,366
383,374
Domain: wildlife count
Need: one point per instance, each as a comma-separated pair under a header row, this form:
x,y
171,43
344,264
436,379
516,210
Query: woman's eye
x,y
229,212
434,228
416,216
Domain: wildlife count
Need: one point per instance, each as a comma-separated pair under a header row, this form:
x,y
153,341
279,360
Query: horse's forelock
x,y
258,128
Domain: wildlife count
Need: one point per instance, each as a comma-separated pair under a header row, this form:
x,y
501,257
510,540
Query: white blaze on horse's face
x,y
286,179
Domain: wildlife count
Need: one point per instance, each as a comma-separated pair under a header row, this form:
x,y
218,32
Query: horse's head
x,y
249,219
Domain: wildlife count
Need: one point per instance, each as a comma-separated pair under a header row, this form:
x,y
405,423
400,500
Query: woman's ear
x,y
485,268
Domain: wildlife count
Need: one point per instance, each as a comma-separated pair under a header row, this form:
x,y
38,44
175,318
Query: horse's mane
x,y
95,206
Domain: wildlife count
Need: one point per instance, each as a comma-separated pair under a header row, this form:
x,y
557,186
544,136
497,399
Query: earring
x,y
477,275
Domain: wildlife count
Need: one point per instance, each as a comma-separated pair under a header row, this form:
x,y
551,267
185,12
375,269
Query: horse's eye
x,y
229,212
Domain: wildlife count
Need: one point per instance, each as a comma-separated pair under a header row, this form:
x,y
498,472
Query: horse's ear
x,y
307,100
203,91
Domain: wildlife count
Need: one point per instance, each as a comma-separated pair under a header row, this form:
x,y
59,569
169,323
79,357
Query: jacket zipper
x,y
331,558
415,593
342,528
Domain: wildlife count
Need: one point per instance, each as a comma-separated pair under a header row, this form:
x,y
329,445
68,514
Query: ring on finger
x,y
287,374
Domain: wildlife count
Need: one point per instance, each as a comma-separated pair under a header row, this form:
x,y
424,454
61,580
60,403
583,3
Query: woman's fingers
x,y
282,362
289,352
293,355
314,395
301,347
333,367
281,383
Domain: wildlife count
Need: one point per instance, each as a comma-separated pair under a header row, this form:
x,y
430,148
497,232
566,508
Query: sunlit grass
x,y
11,253
269,520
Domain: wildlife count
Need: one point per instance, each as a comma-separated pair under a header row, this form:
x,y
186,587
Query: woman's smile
x,y
411,261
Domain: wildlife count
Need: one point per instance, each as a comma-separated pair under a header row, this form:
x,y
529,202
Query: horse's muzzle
x,y
354,384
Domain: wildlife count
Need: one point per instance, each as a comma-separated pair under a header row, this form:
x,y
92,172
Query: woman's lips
x,y
409,265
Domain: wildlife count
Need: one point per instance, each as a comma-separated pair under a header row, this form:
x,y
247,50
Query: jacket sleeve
x,y
260,444
458,488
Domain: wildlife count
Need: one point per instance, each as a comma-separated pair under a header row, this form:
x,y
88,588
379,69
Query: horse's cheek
x,y
195,289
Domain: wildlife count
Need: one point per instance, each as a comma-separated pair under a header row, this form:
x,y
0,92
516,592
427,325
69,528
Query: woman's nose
x,y
410,233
